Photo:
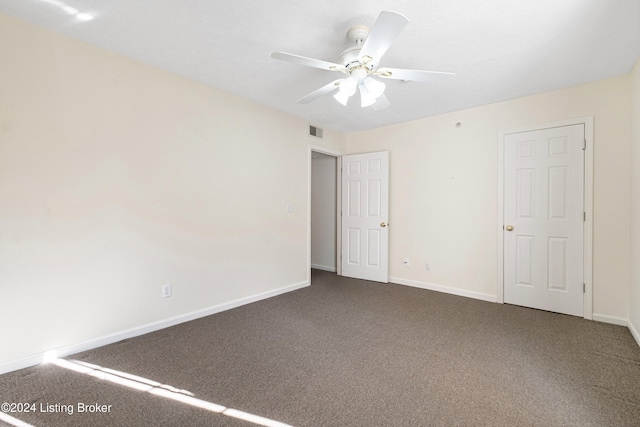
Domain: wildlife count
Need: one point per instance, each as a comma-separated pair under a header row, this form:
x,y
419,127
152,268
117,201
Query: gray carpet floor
x,y
346,352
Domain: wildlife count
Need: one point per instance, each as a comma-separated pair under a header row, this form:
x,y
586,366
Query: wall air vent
x,y
314,131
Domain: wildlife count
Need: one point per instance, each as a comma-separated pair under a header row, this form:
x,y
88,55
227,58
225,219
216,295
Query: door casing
x,y
338,155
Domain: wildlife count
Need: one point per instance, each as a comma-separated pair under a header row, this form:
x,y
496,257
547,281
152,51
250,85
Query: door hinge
x,y
584,216
584,288
584,147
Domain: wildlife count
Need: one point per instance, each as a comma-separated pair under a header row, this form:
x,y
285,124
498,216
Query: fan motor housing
x,y
349,57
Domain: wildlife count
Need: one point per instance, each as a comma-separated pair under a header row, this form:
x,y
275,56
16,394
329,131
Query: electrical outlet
x,y
406,262
166,290
427,267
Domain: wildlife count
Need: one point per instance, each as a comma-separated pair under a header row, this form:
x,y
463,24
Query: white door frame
x,y
588,205
338,155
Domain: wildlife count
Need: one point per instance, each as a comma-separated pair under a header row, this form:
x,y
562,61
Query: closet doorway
x,y
324,211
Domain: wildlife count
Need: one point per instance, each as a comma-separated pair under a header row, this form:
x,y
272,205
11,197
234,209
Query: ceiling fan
x,y
361,61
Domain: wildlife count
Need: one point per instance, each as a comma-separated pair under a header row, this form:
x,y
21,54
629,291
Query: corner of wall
x,y
634,220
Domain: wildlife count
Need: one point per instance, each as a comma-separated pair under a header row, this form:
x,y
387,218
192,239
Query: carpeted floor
x,y
346,352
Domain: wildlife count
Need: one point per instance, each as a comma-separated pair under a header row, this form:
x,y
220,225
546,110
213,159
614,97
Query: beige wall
x,y
634,306
443,194
117,177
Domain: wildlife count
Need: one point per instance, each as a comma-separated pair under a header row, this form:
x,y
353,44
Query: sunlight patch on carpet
x,y
158,389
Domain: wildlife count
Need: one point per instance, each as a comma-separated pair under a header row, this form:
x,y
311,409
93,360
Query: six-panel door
x,y
544,208
365,211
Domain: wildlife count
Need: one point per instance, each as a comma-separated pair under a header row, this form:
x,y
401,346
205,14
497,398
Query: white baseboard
x,y
445,289
36,359
614,320
323,267
634,332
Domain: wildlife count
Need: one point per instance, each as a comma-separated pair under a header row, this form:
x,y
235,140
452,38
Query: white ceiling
x,y
499,49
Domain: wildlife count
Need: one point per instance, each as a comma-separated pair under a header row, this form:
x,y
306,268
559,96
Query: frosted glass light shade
x,y
342,97
375,87
346,89
349,85
366,99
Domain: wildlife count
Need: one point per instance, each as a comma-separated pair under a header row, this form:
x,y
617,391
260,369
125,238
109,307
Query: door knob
x,y
383,224
509,227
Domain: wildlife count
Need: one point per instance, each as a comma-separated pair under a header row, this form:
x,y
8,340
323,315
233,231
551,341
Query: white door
x,y
365,211
543,219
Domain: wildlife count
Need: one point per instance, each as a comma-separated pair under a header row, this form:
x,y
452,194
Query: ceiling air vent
x,y
314,131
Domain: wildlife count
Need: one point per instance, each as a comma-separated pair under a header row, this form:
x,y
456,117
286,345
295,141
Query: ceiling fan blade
x,y
415,75
309,62
319,92
387,27
381,103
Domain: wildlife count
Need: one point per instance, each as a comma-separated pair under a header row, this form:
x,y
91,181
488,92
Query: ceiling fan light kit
x,y
366,99
370,89
374,87
361,61
342,96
